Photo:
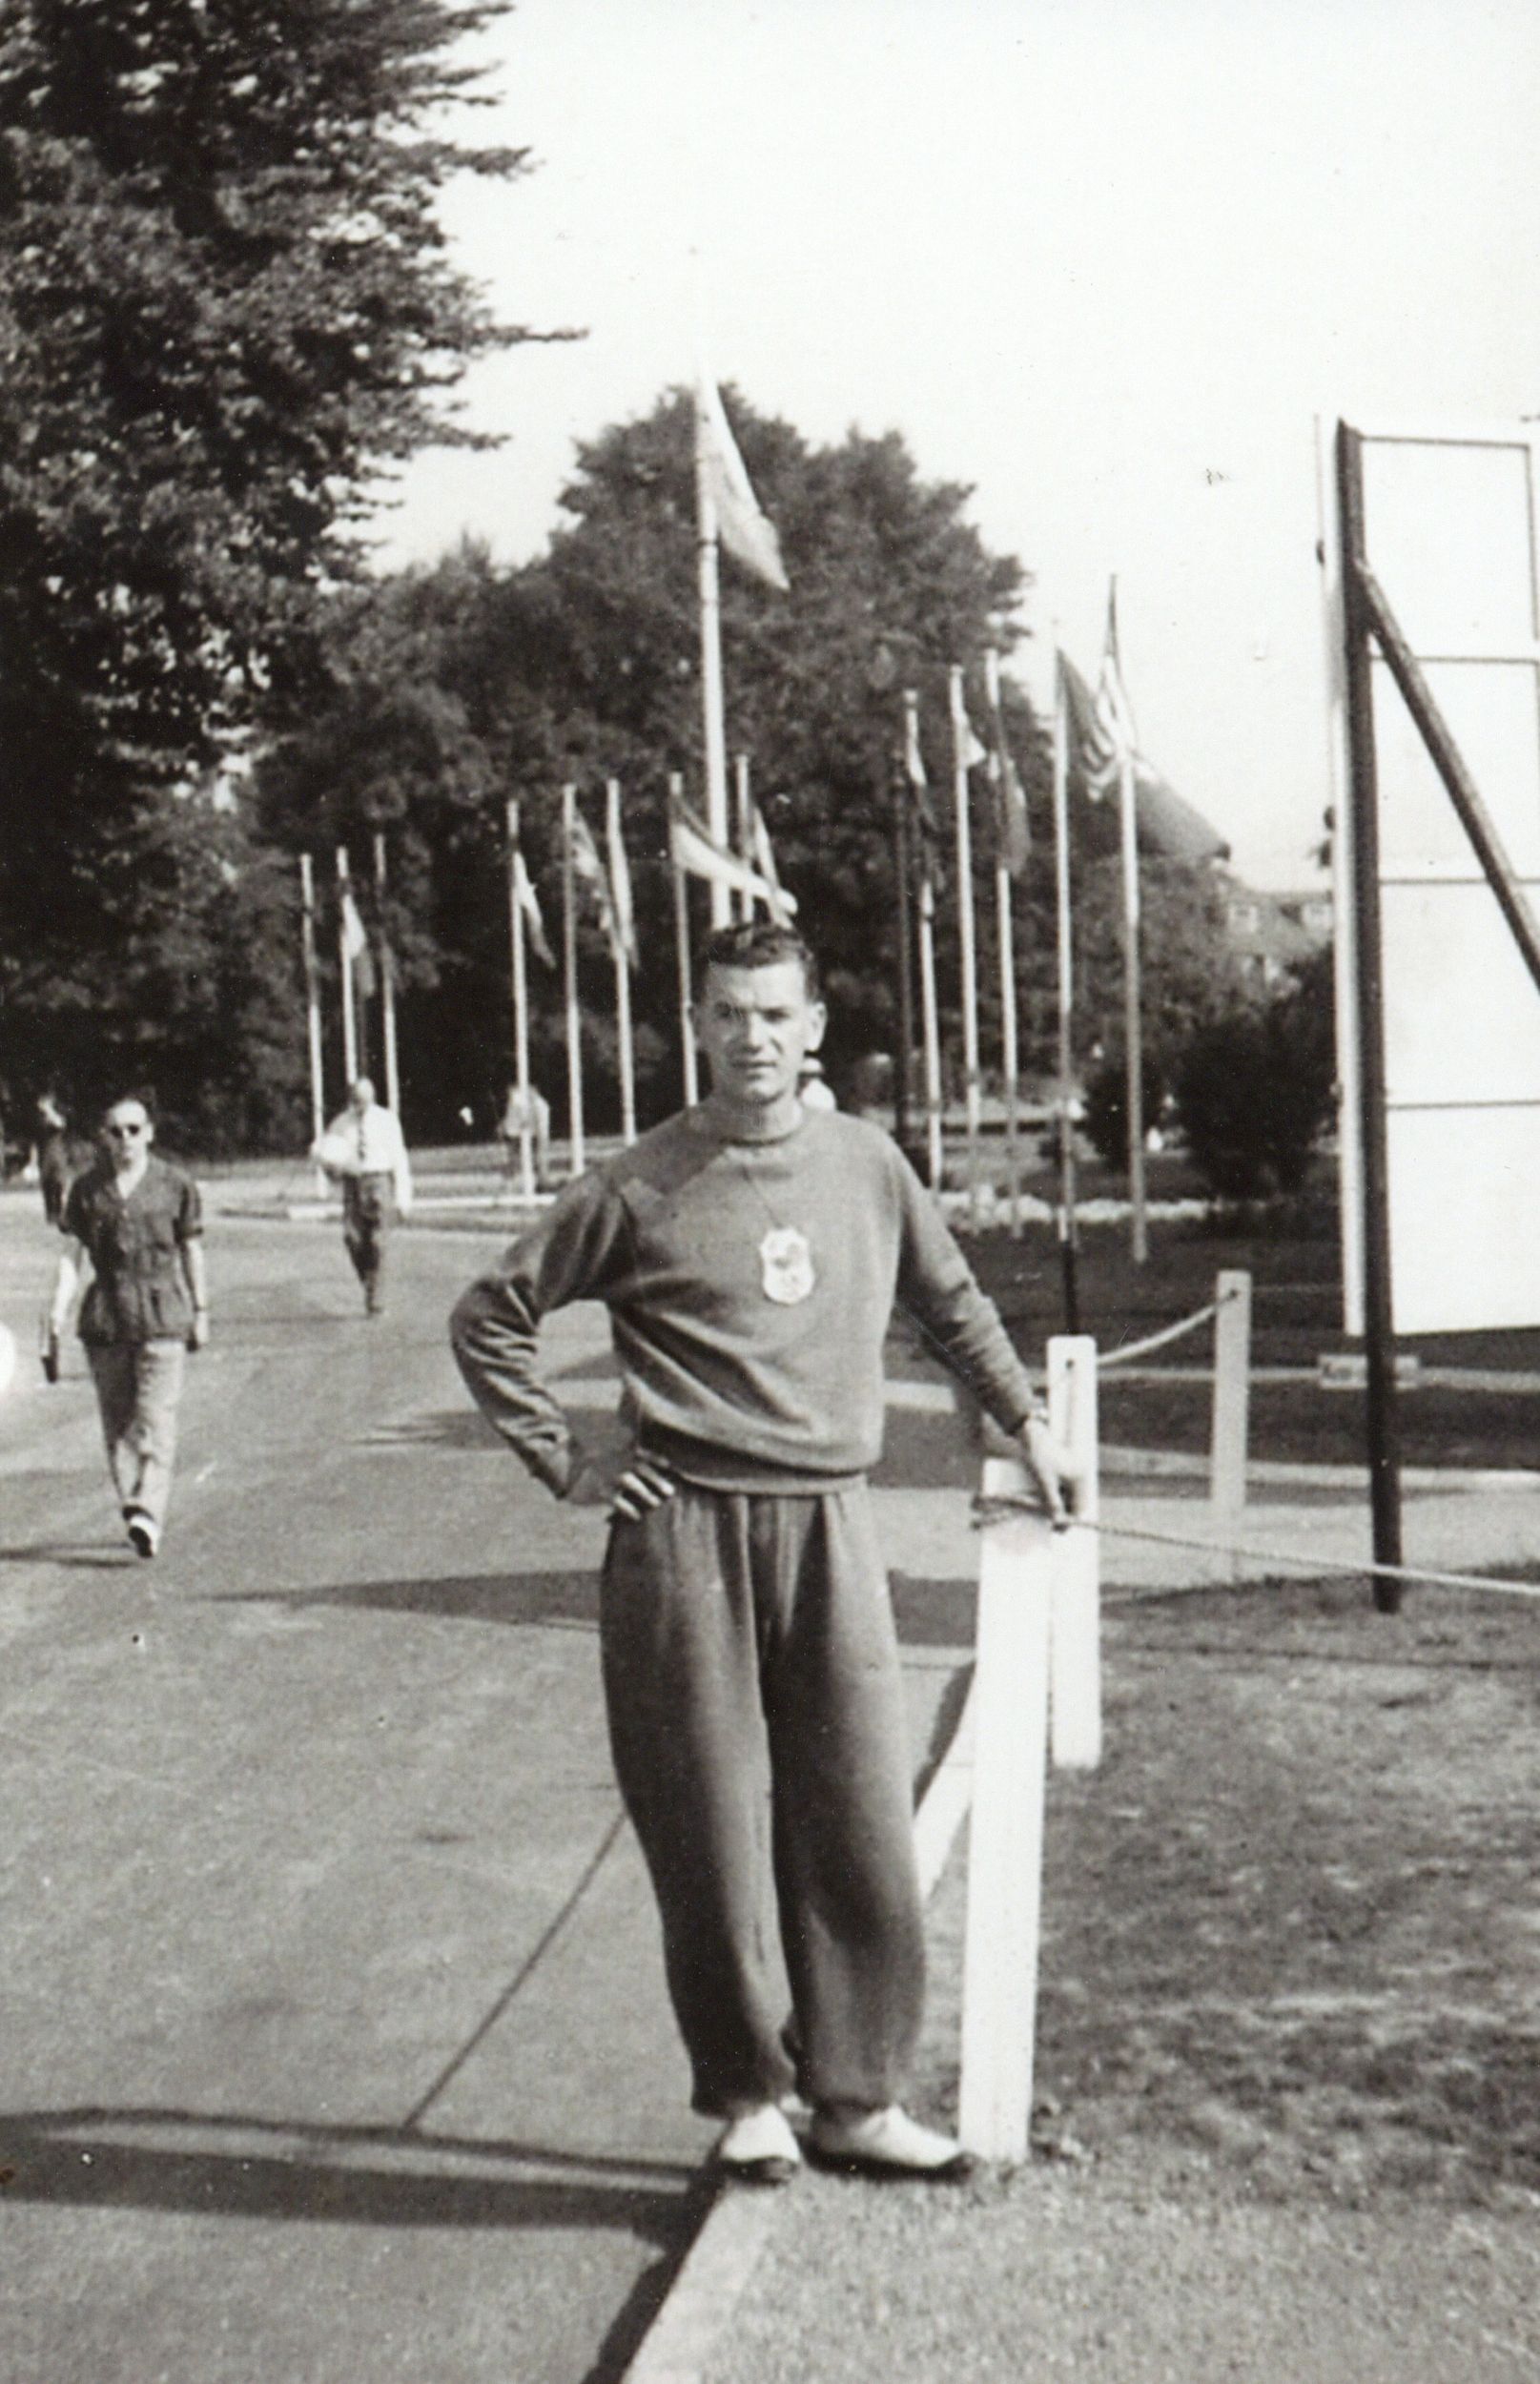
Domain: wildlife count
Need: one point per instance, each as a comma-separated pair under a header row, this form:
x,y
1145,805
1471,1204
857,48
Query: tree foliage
x,y
586,664
225,308
1255,1089
456,688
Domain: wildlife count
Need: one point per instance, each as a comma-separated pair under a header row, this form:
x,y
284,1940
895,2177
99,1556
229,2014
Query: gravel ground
x,y
1287,2039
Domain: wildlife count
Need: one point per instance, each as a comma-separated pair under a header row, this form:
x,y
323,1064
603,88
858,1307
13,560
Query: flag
x,y
694,850
528,902
355,944
762,856
1117,738
1012,827
920,786
1167,823
620,878
588,865
743,529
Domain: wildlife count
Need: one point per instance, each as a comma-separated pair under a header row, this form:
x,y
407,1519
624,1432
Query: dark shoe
x,y
758,2149
143,1534
888,2144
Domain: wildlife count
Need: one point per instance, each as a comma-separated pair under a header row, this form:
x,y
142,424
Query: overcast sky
x,y
1105,260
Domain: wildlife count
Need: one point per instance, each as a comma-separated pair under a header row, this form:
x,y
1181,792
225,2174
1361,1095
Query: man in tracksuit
x,y
751,1254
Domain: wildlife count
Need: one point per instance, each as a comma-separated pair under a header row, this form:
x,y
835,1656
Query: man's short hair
x,y
757,944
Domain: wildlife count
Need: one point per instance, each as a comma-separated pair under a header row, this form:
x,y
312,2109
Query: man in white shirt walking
x,y
363,1151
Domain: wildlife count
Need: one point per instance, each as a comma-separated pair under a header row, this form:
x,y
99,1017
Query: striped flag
x,y
745,530
695,851
1116,735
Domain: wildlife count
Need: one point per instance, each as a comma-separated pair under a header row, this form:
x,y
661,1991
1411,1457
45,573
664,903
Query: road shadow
x,y
239,2167
929,1612
524,1600
71,1554
450,1427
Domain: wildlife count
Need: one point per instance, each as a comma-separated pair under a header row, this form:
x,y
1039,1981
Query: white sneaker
x,y
758,2147
889,2144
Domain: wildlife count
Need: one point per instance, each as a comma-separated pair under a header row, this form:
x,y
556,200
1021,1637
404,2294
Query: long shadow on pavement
x,y
257,2168
930,1612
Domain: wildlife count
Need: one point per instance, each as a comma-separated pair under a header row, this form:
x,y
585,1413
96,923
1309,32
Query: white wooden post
x,y
1232,1390
1009,1696
1074,1627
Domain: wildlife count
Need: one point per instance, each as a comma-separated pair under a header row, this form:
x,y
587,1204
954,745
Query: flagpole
x,y
350,1029
686,1031
387,986
972,1121
1068,1252
521,1011
930,1011
307,934
623,977
1132,1009
1011,1057
569,961
712,699
745,827
904,876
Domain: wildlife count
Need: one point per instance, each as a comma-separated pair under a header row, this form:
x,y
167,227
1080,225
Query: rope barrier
x,y
994,1510
1168,1332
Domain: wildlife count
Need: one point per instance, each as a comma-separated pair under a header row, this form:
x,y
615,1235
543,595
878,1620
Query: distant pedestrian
x,y
138,1223
363,1151
55,1165
527,1120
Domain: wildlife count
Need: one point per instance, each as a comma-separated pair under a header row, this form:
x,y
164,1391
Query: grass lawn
x,y
1295,1268
1289,1924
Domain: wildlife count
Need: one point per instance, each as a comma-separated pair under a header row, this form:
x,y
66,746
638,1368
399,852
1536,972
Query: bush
x,y
1254,1091
1105,1123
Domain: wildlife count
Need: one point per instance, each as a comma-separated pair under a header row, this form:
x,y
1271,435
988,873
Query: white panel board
x,y
1462,1015
1467,1254
1492,710
1451,537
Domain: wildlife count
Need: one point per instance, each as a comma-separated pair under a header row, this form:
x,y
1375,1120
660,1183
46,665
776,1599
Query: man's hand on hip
x,y
631,1487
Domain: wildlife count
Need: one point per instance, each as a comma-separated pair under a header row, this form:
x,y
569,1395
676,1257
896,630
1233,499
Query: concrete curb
x,y
716,2270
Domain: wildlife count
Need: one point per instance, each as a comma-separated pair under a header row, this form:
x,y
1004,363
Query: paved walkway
x,y
335,2043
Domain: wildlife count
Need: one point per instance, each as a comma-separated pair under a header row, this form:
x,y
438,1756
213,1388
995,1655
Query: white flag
x,y
355,944
530,908
585,861
695,851
745,530
763,855
620,877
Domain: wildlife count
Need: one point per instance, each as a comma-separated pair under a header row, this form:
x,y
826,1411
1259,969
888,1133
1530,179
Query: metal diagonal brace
x,y
1446,758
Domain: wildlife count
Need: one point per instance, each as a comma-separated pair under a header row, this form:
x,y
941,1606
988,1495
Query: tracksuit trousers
x,y
758,1728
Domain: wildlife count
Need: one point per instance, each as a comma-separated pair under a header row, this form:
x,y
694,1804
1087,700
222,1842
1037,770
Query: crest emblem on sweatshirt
x,y
786,1267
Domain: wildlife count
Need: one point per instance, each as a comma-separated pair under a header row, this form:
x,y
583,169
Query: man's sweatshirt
x,y
750,1285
